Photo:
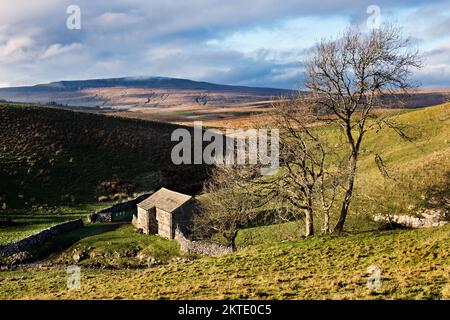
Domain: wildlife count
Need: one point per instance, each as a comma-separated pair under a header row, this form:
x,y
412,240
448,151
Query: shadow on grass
x,y
437,196
63,241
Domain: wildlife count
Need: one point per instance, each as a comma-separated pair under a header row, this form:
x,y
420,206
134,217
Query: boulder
x,y
79,256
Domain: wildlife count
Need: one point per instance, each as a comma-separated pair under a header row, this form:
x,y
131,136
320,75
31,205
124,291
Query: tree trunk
x,y
348,195
326,222
309,222
233,242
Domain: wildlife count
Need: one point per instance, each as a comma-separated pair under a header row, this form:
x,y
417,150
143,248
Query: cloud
x,y
437,67
243,42
113,21
58,49
16,49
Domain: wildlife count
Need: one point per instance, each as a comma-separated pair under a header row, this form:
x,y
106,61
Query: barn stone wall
x,y
164,220
142,219
182,217
146,221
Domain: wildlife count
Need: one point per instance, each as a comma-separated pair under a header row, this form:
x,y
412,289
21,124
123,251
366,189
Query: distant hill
x,y
138,82
171,99
53,156
129,92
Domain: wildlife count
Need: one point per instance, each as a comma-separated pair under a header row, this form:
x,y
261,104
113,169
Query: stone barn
x,y
163,212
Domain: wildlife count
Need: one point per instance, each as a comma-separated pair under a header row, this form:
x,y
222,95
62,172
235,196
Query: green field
x,y
415,264
31,221
419,170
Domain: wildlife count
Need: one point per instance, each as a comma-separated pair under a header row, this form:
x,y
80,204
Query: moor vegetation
x,y
56,157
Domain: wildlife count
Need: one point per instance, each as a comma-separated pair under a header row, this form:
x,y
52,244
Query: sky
x,y
240,42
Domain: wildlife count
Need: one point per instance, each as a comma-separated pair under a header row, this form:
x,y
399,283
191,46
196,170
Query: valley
x,y
117,251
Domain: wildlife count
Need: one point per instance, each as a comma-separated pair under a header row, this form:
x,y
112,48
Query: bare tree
x,y
352,76
227,205
305,179
329,185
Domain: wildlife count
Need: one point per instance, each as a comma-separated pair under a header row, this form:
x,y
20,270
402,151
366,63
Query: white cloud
x,y
21,11
16,49
58,49
111,21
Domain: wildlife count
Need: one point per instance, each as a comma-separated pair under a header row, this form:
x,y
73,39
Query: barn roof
x,y
165,199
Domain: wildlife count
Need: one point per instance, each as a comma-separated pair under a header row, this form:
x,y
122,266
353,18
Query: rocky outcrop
x,y
427,218
134,221
200,247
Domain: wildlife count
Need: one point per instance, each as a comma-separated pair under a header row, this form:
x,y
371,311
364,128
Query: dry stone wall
x,y
39,238
107,215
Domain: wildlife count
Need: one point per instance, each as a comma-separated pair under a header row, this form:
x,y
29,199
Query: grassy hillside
x,y
57,165
418,176
275,263
51,156
415,264
418,171
119,247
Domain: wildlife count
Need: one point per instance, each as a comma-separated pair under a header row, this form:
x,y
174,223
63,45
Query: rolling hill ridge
x,y
132,92
171,99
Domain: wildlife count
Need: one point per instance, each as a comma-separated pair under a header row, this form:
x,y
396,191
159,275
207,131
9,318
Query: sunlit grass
x,y
415,264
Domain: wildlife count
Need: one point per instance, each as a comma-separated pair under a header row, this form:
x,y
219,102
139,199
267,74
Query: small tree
x,y
329,184
227,204
352,76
